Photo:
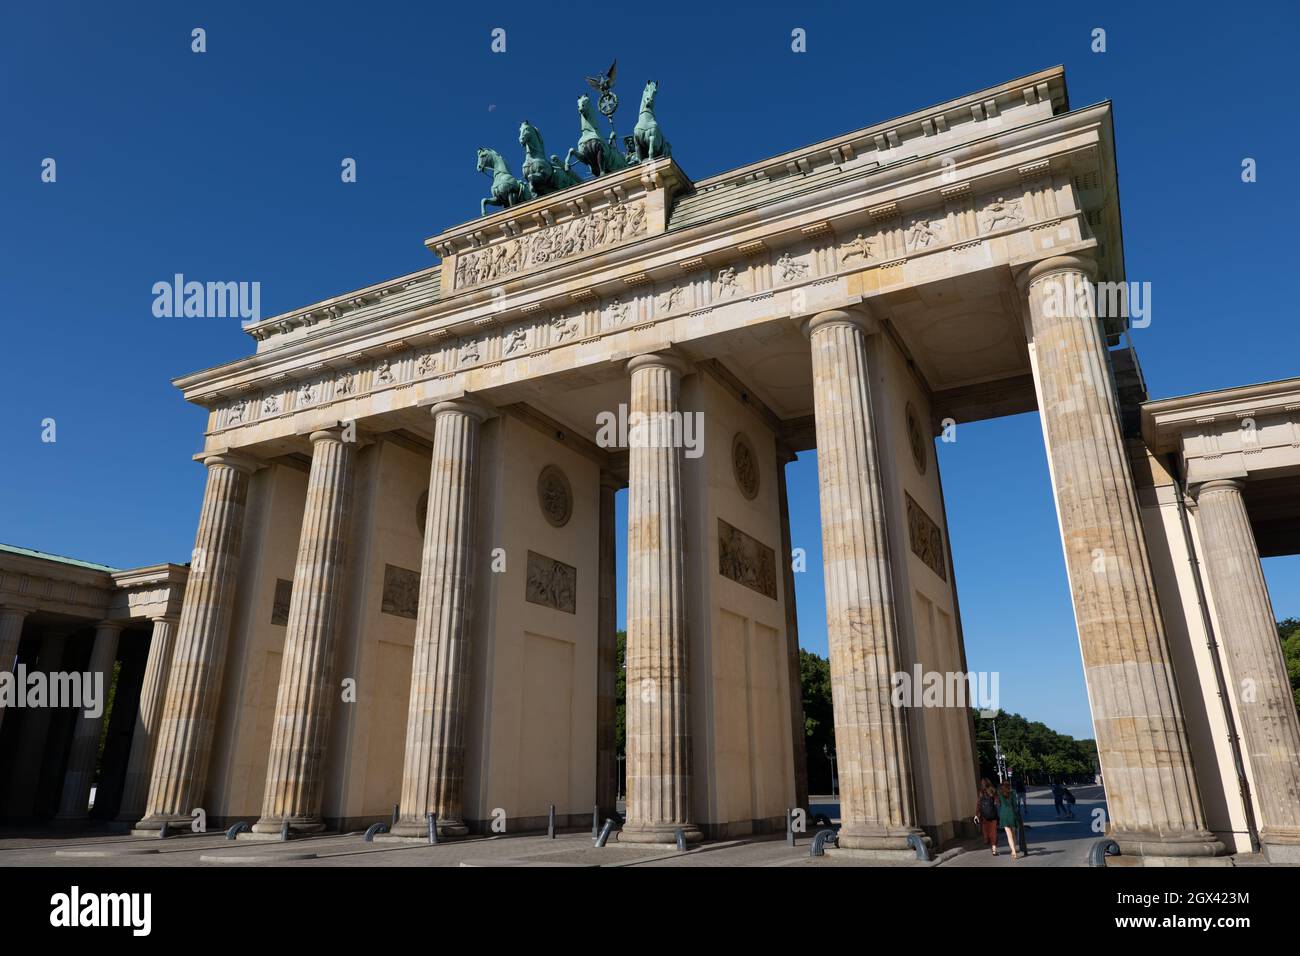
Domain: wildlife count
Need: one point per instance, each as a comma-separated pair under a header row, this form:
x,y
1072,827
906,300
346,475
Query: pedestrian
x,y
1058,792
1009,816
986,813
1068,798
1020,795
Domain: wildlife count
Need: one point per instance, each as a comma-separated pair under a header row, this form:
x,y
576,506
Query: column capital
x,y
335,433
669,359
1080,262
107,626
22,610
462,406
172,619
858,316
244,463
1219,484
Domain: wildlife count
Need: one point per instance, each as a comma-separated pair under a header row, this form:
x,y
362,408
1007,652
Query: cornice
x,y
1165,420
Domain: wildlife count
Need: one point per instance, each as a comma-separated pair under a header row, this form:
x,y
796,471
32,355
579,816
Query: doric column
x,y
135,791
11,632
33,736
658,700
1261,687
607,653
305,698
794,668
80,775
189,711
1151,790
875,770
433,776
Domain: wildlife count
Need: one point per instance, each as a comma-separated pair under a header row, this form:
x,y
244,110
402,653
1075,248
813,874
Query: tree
x,y
1288,631
818,718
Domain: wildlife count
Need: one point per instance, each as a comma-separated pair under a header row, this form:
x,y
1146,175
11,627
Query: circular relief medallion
x,y
422,511
744,463
916,438
555,496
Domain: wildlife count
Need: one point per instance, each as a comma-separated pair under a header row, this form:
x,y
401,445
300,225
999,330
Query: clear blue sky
x,y
225,166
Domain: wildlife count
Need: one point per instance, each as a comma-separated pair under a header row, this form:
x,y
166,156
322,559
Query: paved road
x,y
1052,841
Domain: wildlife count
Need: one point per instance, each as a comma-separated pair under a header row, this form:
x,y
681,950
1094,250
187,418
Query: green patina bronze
x,y
597,154
506,190
648,137
543,175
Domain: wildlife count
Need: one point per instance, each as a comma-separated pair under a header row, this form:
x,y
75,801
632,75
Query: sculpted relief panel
x,y
552,583
596,230
746,560
925,538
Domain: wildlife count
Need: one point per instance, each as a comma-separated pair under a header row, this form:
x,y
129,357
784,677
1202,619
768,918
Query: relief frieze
x,y
596,230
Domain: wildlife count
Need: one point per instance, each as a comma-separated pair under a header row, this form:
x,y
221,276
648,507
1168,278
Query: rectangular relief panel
x,y
552,583
401,592
925,538
746,560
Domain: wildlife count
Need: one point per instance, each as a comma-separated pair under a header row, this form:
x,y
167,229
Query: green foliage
x,y
108,716
1288,631
818,720
1032,748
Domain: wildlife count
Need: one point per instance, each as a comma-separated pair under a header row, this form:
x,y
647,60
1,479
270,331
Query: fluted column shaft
x,y
305,698
80,774
11,633
875,769
433,776
1260,685
144,739
658,698
189,711
33,739
1151,791
607,654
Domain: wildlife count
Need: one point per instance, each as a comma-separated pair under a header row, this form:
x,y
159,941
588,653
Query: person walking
x,y
1068,799
986,813
1020,794
1009,816
1058,794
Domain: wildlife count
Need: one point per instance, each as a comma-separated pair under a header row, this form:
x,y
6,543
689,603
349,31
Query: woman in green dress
x,y
1009,815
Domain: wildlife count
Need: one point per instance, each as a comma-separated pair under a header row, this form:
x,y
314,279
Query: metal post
x,y
431,820
789,827
284,831
595,822
550,823
394,823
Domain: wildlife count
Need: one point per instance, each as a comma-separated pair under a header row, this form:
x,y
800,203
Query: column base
x,y
1148,843
407,827
660,833
296,825
1281,845
867,836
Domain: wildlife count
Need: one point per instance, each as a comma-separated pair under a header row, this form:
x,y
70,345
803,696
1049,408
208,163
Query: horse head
x,y
484,158
649,94
530,137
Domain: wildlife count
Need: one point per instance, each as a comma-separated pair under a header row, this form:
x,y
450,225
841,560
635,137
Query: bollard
x,y
284,831
238,828
819,842
431,819
394,823
595,822
1100,850
162,830
373,829
550,823
605,832
789,827
918,842
681,839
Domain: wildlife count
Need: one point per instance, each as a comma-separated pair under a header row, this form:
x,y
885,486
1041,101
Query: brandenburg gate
x,y
403,582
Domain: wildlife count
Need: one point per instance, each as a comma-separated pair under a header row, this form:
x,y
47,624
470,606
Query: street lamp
x,y
830,755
